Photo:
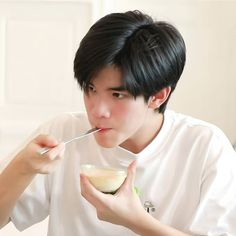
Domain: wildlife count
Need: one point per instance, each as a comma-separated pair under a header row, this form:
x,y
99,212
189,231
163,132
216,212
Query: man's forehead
x,y
115,86
109,77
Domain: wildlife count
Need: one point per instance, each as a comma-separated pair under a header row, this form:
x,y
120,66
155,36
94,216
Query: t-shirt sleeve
x,y
216,211
33,205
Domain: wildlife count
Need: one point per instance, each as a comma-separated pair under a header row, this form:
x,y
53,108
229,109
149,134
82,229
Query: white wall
x,y
38,40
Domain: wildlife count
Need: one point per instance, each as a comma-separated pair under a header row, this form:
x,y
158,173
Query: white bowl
x,y
105,179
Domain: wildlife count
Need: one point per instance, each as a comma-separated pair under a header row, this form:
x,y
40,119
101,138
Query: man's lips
x,y
103,129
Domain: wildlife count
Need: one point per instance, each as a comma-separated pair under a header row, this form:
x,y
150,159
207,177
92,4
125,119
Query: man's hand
x,y
33,162
123,208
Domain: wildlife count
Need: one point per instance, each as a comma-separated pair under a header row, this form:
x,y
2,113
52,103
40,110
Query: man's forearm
x,y
21,170
149,226
13,181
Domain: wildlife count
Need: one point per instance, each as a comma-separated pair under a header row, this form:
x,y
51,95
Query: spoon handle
x,y
91,131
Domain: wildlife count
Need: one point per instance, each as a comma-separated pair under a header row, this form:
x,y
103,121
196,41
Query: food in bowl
x,y
105,179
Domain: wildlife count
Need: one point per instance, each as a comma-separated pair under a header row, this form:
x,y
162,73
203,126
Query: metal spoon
x,y
91,131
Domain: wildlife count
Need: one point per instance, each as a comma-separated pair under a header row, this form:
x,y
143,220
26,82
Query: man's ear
x,y
159,98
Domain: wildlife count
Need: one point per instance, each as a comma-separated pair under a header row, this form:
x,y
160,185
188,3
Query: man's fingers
x,y
97,198
56,152
46,140
131,174
89,192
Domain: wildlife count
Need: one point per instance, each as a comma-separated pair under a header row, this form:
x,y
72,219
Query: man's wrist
x,y
147,225
22,166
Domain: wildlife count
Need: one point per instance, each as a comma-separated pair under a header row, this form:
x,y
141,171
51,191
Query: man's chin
x,y
107,144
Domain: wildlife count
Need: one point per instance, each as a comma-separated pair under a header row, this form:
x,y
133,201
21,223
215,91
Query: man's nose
x,y
101,109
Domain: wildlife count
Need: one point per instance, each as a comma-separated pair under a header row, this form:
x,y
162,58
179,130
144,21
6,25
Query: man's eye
x,y
118,95
91,88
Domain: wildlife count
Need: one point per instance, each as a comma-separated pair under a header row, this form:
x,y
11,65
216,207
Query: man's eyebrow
x,y
118,88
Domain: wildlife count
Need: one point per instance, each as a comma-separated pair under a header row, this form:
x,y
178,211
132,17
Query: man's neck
x,y
145,135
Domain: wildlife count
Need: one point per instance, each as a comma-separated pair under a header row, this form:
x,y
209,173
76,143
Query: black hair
x,y
150,54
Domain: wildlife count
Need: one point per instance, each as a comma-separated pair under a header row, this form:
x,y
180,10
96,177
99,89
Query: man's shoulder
x,y
67,117
183,119
192,125
65,122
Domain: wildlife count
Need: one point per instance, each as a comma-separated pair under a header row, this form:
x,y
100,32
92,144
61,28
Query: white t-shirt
x,y
187,178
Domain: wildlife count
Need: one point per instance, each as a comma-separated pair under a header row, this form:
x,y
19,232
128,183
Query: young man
x,y
128,66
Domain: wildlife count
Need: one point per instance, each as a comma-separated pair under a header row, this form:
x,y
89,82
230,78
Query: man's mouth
x,y
103,129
